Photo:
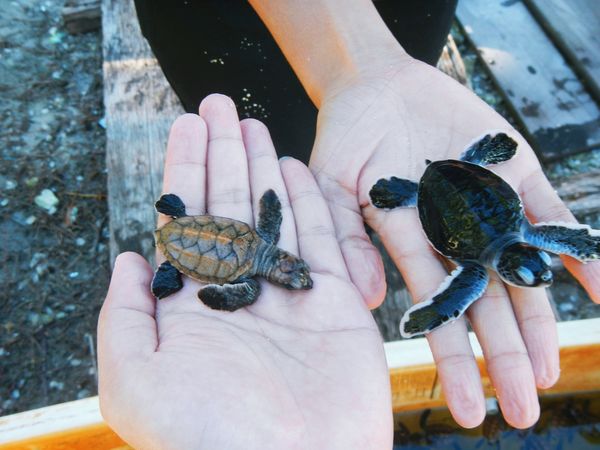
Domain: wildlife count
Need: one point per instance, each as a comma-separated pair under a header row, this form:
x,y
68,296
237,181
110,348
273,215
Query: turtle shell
x,y
208,248
464,208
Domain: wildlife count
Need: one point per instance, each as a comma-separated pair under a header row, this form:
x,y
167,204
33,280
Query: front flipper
x,y
269,217
579,241
230,297
490,150
170,205
394,193
166,281
462,287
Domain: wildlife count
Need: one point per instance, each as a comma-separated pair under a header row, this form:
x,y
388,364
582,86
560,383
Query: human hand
x,y
297,369
386,120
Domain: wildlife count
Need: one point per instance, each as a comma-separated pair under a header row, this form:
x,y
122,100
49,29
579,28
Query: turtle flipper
x,y
490,150
166,281
462,287
579,241
170,205
230,297
394,193
269,217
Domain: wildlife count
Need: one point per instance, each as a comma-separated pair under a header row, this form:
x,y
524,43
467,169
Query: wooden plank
x,y
81,16
415,384
574,26
581,193
140,107
72,425
559,115
413,377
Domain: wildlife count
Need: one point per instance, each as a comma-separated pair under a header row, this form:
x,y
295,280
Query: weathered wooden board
x,y
559,115
413,376
140,107
415,384
81,16
574,26
581,193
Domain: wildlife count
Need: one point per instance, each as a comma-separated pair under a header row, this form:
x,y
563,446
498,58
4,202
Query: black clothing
x,y
206,46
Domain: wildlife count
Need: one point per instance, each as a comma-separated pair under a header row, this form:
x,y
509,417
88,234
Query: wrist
x,y
382,63
330,43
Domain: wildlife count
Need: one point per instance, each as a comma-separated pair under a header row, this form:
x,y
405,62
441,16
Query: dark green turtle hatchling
x,y
473,217
224,253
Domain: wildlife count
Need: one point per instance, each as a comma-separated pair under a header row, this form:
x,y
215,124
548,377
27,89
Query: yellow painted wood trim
x,y
413,376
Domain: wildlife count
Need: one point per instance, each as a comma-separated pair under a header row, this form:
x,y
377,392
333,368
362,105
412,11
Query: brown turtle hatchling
x,y
225,253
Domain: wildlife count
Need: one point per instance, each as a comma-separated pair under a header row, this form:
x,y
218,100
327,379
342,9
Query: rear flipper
x,y
459,290
579,241
230,297
490,150
394,193
166,281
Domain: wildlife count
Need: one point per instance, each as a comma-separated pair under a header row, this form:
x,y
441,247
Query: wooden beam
x,y
140,107
81,16
559,115
74,425
413,376
580,192
574,27
415,384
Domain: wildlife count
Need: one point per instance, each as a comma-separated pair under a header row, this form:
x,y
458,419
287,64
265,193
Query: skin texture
x,y
381,113
296,370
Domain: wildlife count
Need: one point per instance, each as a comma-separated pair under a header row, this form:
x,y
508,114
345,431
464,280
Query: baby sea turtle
x,y
473,217
225,253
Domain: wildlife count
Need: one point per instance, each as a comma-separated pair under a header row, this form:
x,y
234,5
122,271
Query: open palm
x,y
297,369
386,122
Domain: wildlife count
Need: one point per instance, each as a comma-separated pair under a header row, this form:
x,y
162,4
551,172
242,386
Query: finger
x,y
227,166
126,326
538,328
459,375
185,164
361,257
316,236
543,204
265,173
506,356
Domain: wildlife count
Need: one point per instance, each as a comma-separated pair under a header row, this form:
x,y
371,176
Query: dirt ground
x,y
54,257
53,212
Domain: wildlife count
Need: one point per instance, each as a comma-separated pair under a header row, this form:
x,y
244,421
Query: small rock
x,y
58,385
566,307
15,394
75,362
60,315
80,242
10,185
4,202
31,182
47,200
84,393
2,351
102,122
21,219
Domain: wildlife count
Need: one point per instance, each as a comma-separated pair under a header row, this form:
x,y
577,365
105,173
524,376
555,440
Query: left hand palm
x,y
297,369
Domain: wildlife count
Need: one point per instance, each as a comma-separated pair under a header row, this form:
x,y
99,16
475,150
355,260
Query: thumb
x,y
126,326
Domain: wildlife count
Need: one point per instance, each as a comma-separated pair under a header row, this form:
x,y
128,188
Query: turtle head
x,y
520,264
289,271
